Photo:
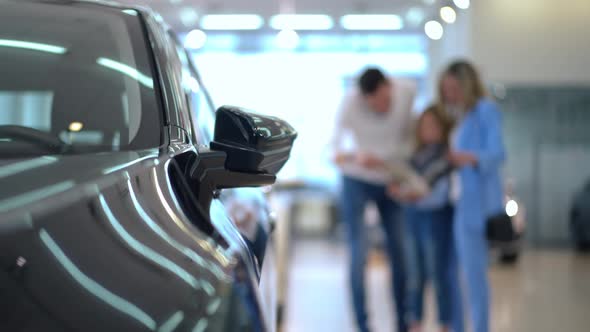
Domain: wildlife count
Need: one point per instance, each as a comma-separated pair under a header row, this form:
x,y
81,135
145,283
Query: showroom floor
x,y
546,291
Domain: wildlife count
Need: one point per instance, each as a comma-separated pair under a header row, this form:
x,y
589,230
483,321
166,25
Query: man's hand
x,y
461,159
369,161
412,196
342,158
408,196
363,159
394,190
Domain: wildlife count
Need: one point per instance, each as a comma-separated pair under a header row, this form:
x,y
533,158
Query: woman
x,y
477,151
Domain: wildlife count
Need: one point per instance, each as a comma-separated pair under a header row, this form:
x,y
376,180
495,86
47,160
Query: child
x,y
428,218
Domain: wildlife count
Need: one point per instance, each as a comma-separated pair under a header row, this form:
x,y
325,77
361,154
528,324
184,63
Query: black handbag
x,y
499,228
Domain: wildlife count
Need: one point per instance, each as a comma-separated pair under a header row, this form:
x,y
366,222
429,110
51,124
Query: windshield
x,y
74,78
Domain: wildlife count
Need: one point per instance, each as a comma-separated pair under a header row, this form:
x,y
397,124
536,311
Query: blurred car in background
x,y
509,252
301,209
580,219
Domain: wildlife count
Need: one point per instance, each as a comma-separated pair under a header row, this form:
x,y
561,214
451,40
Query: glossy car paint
x,y
107,242
115,254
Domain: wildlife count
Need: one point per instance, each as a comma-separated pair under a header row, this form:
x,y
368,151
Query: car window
x,y
201,109
84,79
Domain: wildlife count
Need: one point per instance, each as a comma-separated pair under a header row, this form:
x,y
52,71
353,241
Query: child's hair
x,y
444,121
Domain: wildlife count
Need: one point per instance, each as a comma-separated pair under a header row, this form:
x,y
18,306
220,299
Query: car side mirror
x,y
253,143
247,150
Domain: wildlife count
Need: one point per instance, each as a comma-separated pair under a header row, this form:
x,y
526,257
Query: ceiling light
x,y
434,30
287,39
32,46
126,70
301,22
75,126
448,14
195,39
232,22
189,16
463,4
371,22
415,16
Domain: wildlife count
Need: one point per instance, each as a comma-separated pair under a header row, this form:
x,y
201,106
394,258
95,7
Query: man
x,y
377,117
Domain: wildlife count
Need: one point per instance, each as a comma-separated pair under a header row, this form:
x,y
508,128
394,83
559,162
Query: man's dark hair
x,y
370,80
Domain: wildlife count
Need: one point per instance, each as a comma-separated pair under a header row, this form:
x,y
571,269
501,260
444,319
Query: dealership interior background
x,y
296,59
534,56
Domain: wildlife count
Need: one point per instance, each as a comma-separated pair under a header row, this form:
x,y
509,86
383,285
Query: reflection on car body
x,y
109,216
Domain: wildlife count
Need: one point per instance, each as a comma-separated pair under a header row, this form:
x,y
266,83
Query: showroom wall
x,y
535,54
523,42
532,41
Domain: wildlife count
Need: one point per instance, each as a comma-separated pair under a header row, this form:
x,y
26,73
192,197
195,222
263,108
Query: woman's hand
x,y
461,159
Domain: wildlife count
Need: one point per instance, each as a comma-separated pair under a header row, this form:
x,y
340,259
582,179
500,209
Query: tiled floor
x,y
546,291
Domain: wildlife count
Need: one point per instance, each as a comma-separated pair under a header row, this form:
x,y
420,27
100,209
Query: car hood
x,y
25,180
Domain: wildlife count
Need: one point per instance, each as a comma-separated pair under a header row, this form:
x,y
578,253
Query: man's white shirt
x,y
388,136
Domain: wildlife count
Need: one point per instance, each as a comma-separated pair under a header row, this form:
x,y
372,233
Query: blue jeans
x,y
472,251
430,255
355,196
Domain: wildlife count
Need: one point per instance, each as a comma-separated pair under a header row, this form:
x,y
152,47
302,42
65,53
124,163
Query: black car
x,y
110,216
580,219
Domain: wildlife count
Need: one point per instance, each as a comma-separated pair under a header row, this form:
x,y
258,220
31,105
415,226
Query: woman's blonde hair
x,y
444,121
469,80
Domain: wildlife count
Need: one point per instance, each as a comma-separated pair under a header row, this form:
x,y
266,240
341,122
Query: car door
x,y
246,207
239,201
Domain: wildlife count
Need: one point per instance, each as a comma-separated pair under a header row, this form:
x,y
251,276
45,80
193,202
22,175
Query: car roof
x,y
104,3
143,9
